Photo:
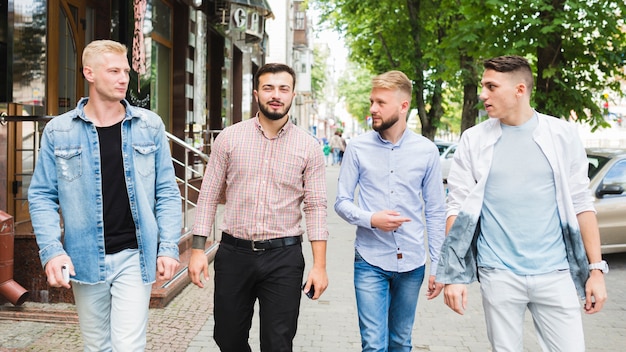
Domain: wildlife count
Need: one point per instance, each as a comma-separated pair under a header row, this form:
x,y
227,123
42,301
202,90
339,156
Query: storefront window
x,y
151,58
4,45
162,19
160,82
29,51
66,84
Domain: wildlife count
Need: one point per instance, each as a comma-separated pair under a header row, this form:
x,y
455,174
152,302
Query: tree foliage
x,y
577,49
355,86
319,75
388,35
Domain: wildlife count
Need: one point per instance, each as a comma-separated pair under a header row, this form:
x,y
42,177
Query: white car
x,y
446,153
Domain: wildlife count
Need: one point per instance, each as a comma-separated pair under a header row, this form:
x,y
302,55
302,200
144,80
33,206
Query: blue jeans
x,y
336,159
113,315
386,302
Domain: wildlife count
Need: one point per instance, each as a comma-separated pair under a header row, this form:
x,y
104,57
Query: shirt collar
x,y
288,125
399,143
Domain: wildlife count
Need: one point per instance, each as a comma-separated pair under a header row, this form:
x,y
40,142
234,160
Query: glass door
x,y
22,142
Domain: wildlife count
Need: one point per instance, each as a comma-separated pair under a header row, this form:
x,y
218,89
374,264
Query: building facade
x,y
192,62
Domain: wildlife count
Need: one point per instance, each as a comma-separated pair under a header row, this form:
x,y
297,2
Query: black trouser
x,y
273,276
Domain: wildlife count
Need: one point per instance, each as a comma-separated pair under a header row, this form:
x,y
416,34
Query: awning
x,y
259,4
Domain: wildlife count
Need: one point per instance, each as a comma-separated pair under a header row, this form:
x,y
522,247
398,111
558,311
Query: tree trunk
x,y
470,93
548,58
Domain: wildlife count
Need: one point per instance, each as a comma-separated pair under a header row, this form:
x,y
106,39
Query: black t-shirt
x,y
119,227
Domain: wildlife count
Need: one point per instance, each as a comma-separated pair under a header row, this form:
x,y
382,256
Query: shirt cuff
x,y
198,242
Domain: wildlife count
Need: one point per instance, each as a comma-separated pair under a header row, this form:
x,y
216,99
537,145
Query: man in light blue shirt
x,y
400,198
520,217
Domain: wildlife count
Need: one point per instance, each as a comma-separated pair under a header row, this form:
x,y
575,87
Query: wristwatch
x,y
602,266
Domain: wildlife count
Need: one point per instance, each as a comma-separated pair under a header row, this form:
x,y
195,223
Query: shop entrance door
x,y
70,23
22,139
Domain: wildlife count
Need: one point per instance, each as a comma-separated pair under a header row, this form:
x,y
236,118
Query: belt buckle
x,y
254,249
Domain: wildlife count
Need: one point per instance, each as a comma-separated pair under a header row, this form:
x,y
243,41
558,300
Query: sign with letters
x,y
248,20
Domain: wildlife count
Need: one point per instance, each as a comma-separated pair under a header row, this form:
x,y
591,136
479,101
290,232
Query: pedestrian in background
x,y
267,168
107,166
400,198
327,149
338,146
521,219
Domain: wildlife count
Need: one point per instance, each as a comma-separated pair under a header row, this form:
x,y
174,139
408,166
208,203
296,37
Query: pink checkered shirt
x,y
267,184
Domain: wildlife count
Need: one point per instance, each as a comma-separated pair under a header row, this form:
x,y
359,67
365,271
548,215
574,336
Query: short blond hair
x,y
394,80
94,50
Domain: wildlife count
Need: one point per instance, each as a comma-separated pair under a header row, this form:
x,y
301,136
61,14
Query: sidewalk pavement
x,y
329,324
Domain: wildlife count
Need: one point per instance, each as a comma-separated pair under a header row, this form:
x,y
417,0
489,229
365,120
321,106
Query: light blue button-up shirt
x,y
405,177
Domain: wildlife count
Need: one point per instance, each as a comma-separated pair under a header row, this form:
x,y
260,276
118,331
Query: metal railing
x,y
190,171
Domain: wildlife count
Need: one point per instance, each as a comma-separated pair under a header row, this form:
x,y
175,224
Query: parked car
x,y
446,153
607,172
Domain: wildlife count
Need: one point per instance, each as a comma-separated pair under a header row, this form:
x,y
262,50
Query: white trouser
x,y
551,299
113,315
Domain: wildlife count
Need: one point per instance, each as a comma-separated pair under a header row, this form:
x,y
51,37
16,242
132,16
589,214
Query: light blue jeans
x,y
386,303
551,299
336,160
113,315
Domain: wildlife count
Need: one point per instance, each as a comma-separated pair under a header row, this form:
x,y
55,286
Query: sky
x,y
338,50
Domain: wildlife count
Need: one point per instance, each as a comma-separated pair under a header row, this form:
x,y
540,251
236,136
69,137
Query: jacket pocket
x,y
68,163
145,159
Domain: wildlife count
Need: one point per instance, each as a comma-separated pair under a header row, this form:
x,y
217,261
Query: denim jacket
x,y
67,177
561,145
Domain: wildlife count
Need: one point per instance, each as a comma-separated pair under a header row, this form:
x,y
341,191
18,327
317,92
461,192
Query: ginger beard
x,y
380,124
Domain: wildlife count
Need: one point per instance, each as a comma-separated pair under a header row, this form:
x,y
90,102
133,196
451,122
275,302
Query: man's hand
x,y
388,220
455,297
166,268
319,279
54,273
198,267
317,276
434,288
595,292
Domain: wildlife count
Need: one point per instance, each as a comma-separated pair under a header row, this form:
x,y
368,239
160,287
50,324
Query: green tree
x,y
355,86
388,35
319,75
577,49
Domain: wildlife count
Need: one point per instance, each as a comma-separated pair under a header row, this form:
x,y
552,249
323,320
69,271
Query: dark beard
x,y
386,124
273,115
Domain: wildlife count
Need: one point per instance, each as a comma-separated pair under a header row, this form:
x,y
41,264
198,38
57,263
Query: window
x,y
300,23
616,176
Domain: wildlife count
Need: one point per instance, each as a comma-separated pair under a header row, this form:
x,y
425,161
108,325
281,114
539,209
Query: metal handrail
x,y
4,118
189,173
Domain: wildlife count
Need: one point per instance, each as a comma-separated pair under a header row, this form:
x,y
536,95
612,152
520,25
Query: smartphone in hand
x,y
311,292
65,270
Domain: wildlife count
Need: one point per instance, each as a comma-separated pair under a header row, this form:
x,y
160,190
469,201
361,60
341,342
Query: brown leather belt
x,y
257,246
